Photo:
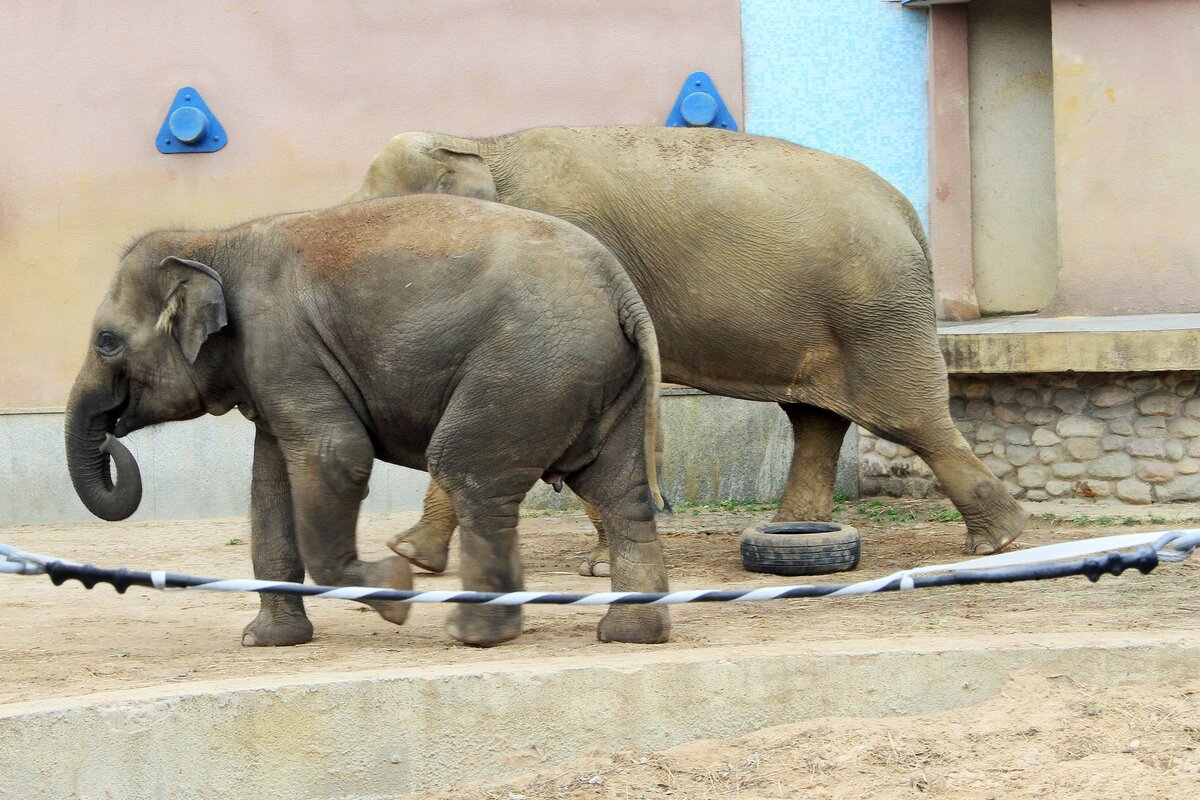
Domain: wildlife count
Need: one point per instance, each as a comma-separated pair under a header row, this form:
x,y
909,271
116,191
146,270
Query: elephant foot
x,y
635,624
484,626
391,573
1000,527
272,630
596,564
425,545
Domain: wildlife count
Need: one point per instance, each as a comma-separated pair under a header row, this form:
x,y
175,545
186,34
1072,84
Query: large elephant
x,y
488,345
772,271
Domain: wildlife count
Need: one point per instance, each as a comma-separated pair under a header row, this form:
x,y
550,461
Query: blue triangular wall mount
x,y
190,127
699,105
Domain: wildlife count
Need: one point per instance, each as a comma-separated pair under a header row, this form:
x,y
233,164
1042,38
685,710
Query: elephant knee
x,y
345,465
635,505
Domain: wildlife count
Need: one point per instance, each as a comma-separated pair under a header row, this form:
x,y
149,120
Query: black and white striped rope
x,y
1106,556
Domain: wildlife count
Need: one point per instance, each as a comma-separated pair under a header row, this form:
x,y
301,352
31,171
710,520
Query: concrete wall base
x,y
379,735
190,470
716,449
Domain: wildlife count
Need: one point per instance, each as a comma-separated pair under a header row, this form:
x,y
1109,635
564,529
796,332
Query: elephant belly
x,y
738,363
741,324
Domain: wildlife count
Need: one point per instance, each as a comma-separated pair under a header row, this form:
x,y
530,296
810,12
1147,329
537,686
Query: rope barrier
x,y
1038,563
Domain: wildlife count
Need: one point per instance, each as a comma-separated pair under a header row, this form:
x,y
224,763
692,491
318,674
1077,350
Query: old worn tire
x,y
800,548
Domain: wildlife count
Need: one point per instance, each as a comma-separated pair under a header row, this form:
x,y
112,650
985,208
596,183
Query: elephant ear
x,y
466,174
193,305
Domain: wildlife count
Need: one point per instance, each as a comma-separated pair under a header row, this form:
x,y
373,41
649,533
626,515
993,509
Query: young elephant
x,y
488,345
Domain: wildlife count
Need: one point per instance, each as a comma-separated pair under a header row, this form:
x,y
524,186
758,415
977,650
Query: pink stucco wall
x,y
1126,118
307,92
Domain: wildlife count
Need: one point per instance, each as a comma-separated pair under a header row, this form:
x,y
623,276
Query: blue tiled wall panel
x,y
846,76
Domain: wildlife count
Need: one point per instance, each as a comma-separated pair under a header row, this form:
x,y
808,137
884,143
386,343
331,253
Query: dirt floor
x,y
1041,737
60,642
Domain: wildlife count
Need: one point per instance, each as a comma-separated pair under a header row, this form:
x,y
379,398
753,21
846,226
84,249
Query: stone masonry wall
x,y
1116,437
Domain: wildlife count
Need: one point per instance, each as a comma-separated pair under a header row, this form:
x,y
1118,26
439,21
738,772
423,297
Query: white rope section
x,y
1026,564
1016,558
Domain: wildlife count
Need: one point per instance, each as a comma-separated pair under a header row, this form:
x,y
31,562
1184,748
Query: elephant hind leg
x,y
994,519
489,555
598,562
486,466
896,386
817,440
615,485
427,544
911,407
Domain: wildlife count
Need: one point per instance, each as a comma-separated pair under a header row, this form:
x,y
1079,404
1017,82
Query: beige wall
x,y
1127,116
1014,236
307,92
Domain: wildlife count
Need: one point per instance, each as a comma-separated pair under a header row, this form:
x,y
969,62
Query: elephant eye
x,y
108,343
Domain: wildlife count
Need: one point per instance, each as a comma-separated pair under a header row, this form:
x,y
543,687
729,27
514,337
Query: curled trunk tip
x,y
90,444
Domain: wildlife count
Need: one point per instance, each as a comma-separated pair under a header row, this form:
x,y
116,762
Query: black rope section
x,y
1144,560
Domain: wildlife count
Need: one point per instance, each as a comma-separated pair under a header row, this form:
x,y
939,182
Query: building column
x,y
950,163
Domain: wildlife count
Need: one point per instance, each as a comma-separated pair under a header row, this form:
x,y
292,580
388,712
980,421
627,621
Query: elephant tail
x,y
914,224
635,322
919,233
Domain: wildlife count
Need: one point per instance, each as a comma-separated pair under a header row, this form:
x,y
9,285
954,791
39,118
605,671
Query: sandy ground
x,y
1039,737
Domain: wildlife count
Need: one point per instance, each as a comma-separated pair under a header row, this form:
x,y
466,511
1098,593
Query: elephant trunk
x,y
91,416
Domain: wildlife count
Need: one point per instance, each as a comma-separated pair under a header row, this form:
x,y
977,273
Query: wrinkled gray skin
x,y
488,345
772,272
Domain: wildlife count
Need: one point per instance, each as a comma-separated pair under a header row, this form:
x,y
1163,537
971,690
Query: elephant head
x,y
140,369
427,163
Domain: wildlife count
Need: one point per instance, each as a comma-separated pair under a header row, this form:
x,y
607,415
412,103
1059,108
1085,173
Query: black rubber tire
x,y
800,548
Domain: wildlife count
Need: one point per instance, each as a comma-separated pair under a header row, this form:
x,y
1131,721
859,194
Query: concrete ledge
x,y
375,735
1142,343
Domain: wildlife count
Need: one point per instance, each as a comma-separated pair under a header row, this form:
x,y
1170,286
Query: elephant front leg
x,y
281,619
328,481
427,544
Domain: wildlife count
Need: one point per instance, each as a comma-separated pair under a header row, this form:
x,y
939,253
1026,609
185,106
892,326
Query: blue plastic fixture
x,y
700,105
190,127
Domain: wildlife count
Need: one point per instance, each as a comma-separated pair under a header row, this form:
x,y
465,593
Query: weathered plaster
x,y
307,96
1126,76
